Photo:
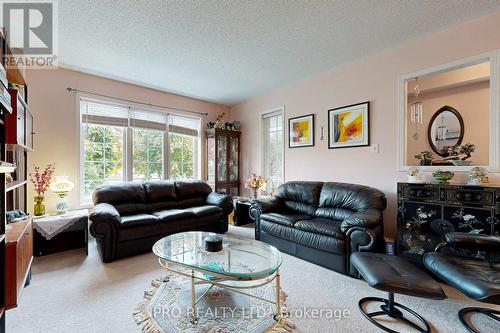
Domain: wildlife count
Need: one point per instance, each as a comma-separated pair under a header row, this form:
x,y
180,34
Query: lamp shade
x,y
61,185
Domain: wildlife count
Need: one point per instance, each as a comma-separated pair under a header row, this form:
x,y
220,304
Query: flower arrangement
x,y
466,150
221,124
425,157
41,180
255,183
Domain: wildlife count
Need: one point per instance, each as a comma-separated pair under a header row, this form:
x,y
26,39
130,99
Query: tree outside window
x,y
147,154
103,156
182,156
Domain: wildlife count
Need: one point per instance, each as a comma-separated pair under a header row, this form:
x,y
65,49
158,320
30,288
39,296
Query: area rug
x,y
167,309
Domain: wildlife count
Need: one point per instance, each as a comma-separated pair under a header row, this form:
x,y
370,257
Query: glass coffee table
x,y
241,264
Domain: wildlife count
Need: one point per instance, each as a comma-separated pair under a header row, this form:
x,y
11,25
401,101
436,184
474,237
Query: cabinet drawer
x,y
470,196
420,192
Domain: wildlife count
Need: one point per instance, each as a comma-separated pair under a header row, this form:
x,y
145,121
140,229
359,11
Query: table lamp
x,y
61,187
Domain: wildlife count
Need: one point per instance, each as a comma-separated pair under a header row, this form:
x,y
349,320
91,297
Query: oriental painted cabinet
x,y
223,160
426,212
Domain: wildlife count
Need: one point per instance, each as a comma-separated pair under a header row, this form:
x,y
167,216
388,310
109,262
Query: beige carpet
x,y
73,293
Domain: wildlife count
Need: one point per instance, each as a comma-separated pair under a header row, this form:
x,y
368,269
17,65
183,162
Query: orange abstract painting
x,y
301,130
348,126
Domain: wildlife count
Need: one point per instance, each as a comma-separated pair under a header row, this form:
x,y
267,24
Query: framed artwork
x,y
301,131
349,126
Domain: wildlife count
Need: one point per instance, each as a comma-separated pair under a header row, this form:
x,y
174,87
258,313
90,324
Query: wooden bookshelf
x,y
16,141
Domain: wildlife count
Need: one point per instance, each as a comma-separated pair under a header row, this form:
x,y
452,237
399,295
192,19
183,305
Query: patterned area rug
x,y
167,309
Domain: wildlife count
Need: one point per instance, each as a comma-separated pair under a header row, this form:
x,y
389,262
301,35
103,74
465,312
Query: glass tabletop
x,y
239,258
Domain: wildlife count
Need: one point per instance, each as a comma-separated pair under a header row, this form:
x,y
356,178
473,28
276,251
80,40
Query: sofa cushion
x,y
352,197
128,198
137,220
192,189
169,215
321,226
288,218
138,232
160,195
310,239
195,223
300,196
205,210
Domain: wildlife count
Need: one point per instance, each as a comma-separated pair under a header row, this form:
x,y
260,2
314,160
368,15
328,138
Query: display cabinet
x,y
16,140
20,122
223,160
426,212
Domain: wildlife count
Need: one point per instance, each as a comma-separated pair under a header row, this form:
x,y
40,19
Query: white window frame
x,y
196,157
494,112
272,112
127,145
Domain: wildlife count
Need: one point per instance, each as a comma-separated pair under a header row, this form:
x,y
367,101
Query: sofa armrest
x,y
265,205
221,200
368,218
472,242
105,212
104,223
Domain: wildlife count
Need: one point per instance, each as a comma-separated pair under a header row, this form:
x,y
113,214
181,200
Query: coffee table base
x,y
219,280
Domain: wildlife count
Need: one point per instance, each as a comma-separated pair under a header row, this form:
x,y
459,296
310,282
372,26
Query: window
x,y
182,151
184,147
272,148
147,154
124,143
103,158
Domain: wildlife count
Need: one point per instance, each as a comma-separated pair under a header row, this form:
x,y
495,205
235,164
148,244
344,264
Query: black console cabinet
x,y
427,211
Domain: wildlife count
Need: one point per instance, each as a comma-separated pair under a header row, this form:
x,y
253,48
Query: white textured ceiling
x,y
229,51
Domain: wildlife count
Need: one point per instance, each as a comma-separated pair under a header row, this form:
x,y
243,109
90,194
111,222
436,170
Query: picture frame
x,y
349,126
301,131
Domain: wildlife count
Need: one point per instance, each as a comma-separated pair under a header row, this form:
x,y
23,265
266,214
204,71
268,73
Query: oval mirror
x,y
446,129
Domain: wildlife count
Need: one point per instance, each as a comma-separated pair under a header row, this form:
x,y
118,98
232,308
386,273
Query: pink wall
x,y
372,79
55,114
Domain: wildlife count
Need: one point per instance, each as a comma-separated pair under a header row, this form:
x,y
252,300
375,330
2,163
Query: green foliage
x,y
148,154
182,149
103,154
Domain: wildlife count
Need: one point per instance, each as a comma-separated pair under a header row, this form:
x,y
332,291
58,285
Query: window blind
x,y
102,113
108,113
148,119
184,125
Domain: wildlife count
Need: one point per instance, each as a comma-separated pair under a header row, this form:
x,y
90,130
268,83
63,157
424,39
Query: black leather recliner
x,y
128,218
477,278
322,222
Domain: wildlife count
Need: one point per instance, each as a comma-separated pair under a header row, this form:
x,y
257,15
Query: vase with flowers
x,y
41,180
255,183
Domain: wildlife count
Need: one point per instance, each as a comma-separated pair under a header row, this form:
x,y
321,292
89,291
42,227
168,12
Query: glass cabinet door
x,y
222,158
233,158
211,160
29,130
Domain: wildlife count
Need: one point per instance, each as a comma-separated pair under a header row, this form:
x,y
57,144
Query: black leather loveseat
x,y
128,218
322,222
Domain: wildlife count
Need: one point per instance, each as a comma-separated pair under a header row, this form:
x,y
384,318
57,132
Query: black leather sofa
x,y
128,218
322,222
